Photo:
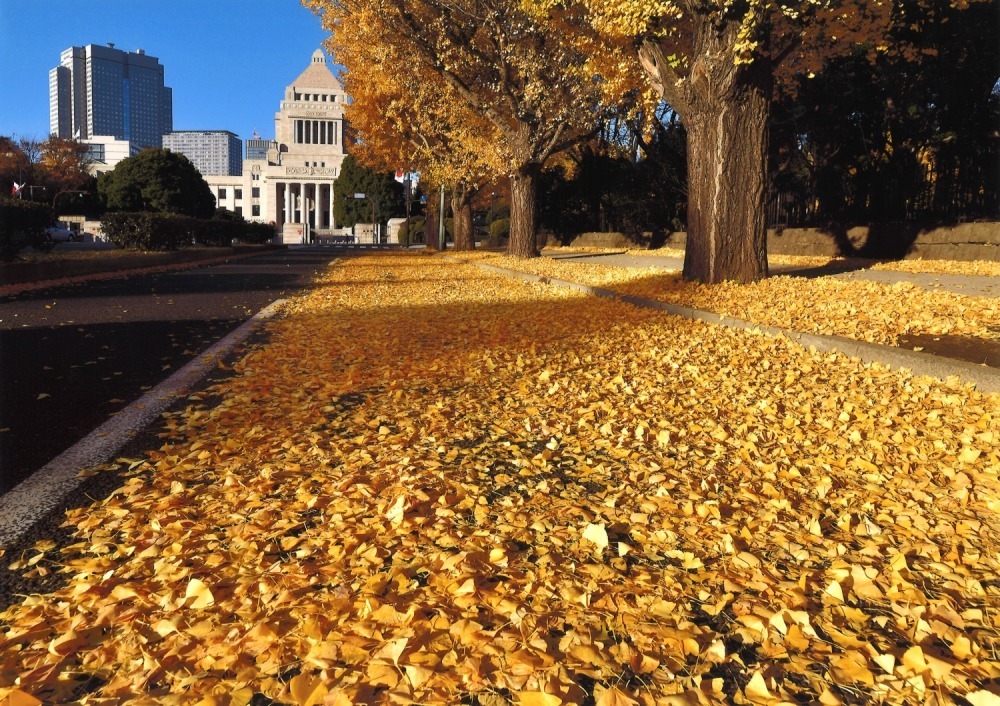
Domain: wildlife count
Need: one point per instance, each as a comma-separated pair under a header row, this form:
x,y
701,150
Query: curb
x,y
984,378
47,488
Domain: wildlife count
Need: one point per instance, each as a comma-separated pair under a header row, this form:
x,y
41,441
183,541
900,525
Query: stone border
x,y
985,379
976,240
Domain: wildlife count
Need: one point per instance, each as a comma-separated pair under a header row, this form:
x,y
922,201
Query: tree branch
x,y
671,85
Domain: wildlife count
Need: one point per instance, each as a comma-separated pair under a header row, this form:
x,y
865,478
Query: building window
x,y
222,194
238,194
239,211
255,210
255,192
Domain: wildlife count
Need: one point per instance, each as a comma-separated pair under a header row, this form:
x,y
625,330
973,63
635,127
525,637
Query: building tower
x,y
102,92
288,181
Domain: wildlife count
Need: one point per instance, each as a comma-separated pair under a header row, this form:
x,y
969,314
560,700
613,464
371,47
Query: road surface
x,y
71,356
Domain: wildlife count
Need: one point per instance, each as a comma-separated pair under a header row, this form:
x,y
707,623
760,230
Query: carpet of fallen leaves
x,y
986,268
435,484
857,309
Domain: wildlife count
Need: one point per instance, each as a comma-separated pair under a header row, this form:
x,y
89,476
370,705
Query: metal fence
x,y
945,189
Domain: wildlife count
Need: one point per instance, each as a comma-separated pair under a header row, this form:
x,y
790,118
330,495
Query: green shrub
x,y
499,213
152,231
416,228
149,231
258,233
500,228
220,233
23,224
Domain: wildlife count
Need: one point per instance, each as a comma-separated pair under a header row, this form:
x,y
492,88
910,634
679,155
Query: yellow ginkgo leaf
x,y
198,595
597,535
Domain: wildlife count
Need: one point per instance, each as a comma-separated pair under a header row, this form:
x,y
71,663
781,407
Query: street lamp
x,y
442,232
407,187
80,195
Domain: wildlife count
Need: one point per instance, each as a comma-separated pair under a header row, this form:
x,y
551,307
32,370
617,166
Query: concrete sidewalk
x,y
970,285
984,378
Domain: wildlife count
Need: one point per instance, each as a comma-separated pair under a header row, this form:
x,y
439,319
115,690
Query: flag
x,y
16,189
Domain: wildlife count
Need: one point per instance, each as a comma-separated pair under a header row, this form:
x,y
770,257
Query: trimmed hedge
x,y
23,224
153,231
500,228
148,231
416,226
258,233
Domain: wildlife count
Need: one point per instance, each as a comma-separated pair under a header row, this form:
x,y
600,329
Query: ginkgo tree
x,y
718,64
409,118
540,94
64,163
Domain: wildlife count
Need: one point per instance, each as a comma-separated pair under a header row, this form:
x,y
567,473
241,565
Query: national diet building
x,y
290,183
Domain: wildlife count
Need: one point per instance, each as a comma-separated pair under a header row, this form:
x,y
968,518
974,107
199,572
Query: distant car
x,y
61,235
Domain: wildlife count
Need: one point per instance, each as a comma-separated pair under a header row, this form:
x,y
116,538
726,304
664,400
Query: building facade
x,y
212,152
99,91
257,148
104,153
290,183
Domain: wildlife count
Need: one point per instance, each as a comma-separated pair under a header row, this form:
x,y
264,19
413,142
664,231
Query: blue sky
x,y
227,61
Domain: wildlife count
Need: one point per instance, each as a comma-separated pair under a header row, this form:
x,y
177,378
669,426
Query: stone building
x,y
292,185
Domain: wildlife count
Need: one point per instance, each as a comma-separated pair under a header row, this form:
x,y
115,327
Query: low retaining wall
x,y
21,272
965,241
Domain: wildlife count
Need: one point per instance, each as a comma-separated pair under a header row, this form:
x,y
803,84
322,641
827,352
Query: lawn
x,y
436,484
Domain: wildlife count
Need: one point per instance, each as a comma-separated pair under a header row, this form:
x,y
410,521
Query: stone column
x,y
288,203
316,213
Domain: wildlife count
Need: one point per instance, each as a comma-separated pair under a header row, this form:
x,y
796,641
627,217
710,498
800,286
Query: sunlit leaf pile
x,y
982,268
858,309
435,484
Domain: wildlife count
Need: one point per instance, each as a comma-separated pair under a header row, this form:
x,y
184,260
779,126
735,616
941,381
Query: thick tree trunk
x,y
431,225
725,105
523,188
727,190
461,212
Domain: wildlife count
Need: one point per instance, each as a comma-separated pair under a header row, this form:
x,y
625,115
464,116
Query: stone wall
x,y
965,241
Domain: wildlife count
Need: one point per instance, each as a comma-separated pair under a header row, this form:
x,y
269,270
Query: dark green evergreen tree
x,y
159,181
386,192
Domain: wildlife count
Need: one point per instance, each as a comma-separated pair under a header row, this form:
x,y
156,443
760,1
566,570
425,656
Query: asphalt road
x,y
71,356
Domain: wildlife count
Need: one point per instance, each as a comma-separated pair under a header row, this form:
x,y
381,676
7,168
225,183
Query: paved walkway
x,y
935,363
971,285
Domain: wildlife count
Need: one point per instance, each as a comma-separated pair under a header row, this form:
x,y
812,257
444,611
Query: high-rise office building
x,y
102,91
257,148
212,152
